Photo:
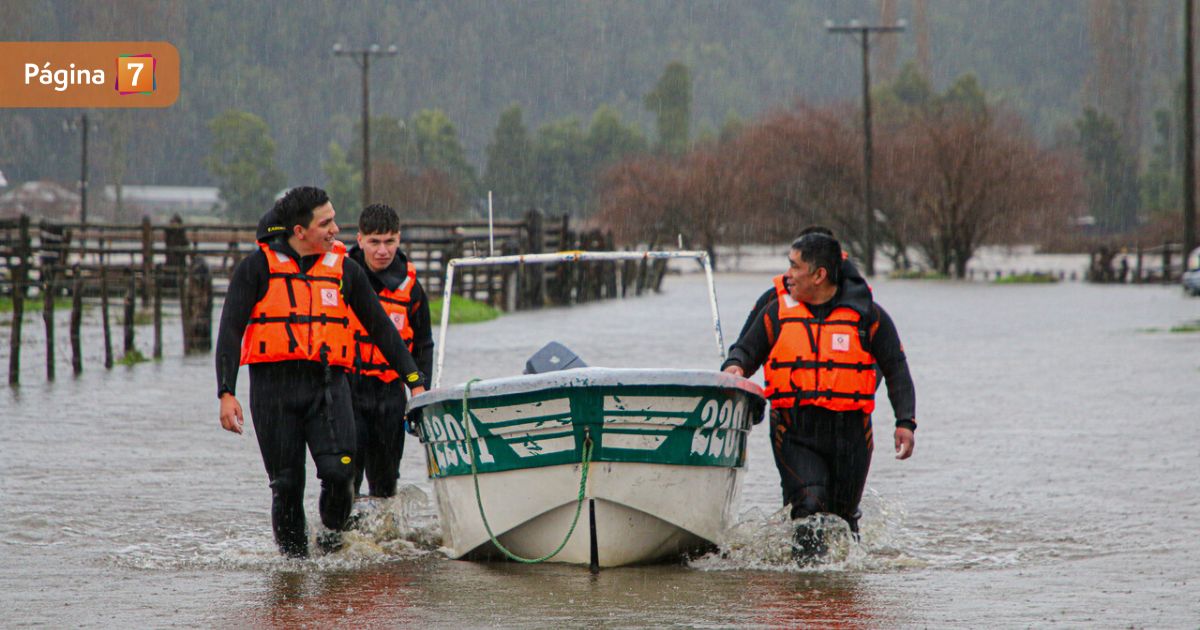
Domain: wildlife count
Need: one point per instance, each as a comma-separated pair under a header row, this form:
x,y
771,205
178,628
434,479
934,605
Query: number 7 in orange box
x,y
135,74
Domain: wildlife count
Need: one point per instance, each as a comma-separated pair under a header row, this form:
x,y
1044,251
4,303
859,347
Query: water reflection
x,y
300,599
823,600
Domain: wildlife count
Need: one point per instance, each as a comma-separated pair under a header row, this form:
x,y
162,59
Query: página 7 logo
x,y
62,78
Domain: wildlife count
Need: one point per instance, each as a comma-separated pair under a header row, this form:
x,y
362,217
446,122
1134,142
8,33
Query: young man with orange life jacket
x,y
377,390
819,346
287,315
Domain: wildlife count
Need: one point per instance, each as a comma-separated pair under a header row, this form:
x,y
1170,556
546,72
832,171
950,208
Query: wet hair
x,y
297,205
817,229
378,218
821,251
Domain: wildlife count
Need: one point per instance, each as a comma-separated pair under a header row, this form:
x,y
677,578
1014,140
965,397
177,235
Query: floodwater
x,y
1054,483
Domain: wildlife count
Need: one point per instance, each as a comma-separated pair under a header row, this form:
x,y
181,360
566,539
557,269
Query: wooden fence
x,y
192,263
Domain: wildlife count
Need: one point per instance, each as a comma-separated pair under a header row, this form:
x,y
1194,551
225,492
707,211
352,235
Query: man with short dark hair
x,y
287,315
819,345
379,399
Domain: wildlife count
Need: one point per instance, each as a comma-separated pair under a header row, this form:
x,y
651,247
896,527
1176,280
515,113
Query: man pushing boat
x,y
820,344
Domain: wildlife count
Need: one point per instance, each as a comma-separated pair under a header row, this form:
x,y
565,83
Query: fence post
x,y
108,358
158,312
1166,262
130,308
198,316
48,318
20,276
76,320
535,278
147,259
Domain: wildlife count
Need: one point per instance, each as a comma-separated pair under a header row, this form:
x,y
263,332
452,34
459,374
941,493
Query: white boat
x,y
597,466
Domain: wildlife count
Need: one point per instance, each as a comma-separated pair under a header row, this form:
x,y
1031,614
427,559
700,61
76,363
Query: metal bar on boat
x,y
441,345
712,303
574,255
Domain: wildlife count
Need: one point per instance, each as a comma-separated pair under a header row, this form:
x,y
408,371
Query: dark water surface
x,y
1056,481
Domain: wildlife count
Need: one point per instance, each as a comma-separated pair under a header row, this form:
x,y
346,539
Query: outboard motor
x,y
553,357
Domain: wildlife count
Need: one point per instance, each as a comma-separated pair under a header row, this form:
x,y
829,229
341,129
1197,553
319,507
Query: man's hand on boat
x,y
231,414
905,443
735,370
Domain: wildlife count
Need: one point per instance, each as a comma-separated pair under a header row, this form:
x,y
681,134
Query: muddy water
x,y
1055,481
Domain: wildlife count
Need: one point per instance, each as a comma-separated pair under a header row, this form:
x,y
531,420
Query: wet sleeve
x,y
363,300
752,349
247,285
763,300
422,331
889,356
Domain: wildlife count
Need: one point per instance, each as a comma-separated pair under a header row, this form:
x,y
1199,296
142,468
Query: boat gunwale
x,y
587,377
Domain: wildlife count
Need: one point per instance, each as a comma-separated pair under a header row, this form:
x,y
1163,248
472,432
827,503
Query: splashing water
x,y
764,541
383,530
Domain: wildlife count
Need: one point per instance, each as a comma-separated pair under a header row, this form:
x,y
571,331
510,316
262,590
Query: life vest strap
x,y
300,275
800,364
810,395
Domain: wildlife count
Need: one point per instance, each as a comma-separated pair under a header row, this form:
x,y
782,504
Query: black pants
x,y
379,423
296,404
823,457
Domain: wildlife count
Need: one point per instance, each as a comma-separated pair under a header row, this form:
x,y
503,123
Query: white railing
x,y
568,256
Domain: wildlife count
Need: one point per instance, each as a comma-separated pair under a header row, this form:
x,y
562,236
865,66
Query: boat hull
x,y
667,451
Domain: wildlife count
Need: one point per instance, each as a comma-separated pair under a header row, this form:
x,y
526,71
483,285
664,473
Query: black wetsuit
x,y
822,455
378,406
298,403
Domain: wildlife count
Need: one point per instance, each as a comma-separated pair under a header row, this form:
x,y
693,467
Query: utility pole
x,y
82,126
362,57
863,33
1189,133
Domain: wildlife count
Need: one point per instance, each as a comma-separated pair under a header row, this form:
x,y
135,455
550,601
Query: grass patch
x,y
1190,327
143,318
34,304
1027,278
134,357
462,311
917,274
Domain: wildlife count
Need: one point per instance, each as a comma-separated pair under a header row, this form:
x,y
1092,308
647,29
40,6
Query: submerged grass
x,y
462,311
917,274
1027,278
134,357
32,304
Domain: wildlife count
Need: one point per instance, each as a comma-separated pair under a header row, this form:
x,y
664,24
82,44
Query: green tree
x,y
342,181
509,173
1111,174
242,161
390,142
671,103
609,139
437,146
1162,183
560,167
967,94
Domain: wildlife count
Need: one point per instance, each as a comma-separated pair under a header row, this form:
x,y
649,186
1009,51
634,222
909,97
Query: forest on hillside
x,y
539,100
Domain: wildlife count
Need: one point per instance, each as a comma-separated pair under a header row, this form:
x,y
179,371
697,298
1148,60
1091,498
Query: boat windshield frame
x,y
569,256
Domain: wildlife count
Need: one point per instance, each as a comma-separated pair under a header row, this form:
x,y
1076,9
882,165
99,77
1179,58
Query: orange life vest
x,y
302,316
397,304
820,362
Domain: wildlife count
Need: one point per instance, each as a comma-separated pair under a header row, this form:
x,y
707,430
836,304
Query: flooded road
x,y
1054,482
